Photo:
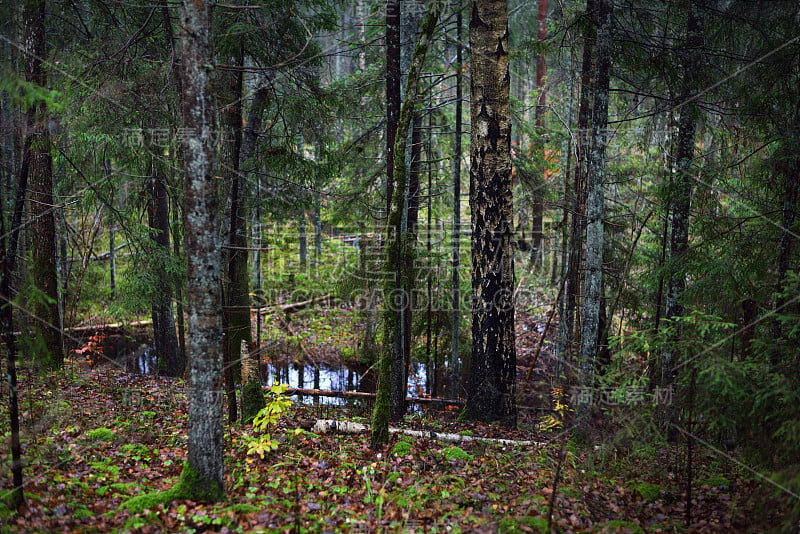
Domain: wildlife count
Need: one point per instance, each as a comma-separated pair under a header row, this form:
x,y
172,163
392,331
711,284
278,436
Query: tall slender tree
x,y
595,209
570,319
164,336
397,271
682,187
455,359
491,395
40,182
236,316
202,475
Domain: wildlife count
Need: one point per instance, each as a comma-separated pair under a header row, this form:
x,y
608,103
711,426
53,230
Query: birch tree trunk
x,y
202,475
491,395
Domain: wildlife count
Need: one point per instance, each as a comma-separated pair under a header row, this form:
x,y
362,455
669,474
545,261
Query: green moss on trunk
x,y
190,486
252,400
194,487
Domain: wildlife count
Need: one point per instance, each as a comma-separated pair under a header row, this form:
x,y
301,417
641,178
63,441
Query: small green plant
x,y
101,434
455,452
267,418
648,491
401,448
513,525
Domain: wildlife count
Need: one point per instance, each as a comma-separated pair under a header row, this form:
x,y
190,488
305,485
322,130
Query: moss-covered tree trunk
x,y
398,248
202,478
491,395
454,380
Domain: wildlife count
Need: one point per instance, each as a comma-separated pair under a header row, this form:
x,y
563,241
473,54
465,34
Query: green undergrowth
x,y
646,490
135,481
101,434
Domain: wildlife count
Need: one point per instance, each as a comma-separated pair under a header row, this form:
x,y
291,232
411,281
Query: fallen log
x,y
364,395
107,327
329,426
294,307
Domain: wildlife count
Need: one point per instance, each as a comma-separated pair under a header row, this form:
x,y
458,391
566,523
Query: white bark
x,y
332,426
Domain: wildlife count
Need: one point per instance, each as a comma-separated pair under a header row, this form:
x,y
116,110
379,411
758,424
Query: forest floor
x,y
94,438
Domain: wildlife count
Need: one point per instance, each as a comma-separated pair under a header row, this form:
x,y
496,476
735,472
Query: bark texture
x,y
491,394
42,207
595,209
204,303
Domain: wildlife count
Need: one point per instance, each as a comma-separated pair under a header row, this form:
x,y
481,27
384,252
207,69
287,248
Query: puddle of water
x,y
143,361
322,377
333,379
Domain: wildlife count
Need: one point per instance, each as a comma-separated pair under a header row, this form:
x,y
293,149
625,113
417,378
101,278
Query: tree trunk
x,y
8,255
409,24
236,319
395,299
170,359
537,236
455,359
682,187
595,210
393,92
202,477
492,386
112,256
569,323
42,208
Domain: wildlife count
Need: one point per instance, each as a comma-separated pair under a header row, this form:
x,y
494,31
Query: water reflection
x,y
338,379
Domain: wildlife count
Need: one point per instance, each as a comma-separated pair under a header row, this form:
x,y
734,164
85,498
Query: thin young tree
x,y
165,338
569,315
455,359
397,243
491,395
682,188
